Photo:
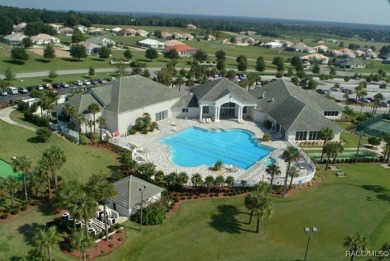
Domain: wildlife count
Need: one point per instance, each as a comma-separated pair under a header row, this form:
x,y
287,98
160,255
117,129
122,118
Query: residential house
x,y
173,43
188,37
243,32
91,48
142,33
350,63
348,53
14,39
82,28
127,32
124,100
101,40
211,38
359,53
178,36
322,59
286,43
370,54
336,53
191,26
128,199
97,31
66,31
251,33
331,40
150,43
166,35
322,48
309,49
182,49
250,41
298,47
116,30
44,39
273,45
19,27
56,27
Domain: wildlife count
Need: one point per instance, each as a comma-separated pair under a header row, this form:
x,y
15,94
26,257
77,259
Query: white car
x,y
86,82
78,83
3,93
39,87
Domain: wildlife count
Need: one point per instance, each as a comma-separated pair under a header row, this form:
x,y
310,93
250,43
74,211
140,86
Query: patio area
x,y
150,149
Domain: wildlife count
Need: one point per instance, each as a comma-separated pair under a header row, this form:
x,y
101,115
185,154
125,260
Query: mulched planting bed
x,y
103,247
21,212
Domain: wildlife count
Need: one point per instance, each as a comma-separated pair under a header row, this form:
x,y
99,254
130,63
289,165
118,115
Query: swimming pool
x,y
195,146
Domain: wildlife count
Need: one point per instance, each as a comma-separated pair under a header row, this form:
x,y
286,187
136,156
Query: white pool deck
x,y
152,150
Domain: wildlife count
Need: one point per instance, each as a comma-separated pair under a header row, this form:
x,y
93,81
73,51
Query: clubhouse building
x,y
295,114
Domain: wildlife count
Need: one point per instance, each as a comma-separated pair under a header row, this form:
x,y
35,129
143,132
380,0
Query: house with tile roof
x,y
191,26
182,49
44,39
101,40
91,48
14,39
151,43
127,200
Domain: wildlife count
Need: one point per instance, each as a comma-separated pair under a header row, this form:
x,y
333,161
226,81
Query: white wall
x,y
121,210
127,119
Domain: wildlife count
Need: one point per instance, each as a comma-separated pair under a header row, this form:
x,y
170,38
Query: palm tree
x,y
47,239
179,82
159,177
43,168
229,181
37,181
44,103
386,138
273,170
219,181
243,183
69,111
102,123
90,124
79,118
196,180
11,185
190,83
262,188
356,242
294,172
22,164
338,149
290,154
325,135
171,179
87,206
94,108
182,179
104,191
54,158
258,204
81,242
377,99
329,150
209,181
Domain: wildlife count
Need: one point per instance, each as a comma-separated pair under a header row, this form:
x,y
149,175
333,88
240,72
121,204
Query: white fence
x,y
74,135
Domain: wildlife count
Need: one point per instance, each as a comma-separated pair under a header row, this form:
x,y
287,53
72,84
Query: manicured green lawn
x,y
352,140
217,229
18,116
82,161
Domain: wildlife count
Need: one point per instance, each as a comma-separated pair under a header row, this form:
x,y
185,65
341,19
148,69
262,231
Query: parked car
x,y
30,88
22,90
48,86
383,104
94,82
56,85
112,79
39,87
321,91
102,80
364,100
78,83
370,99
3,93
351,99
12,90
334,88
65,85
86,82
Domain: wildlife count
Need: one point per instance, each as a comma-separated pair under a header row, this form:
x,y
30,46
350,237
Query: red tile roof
x,y
181,48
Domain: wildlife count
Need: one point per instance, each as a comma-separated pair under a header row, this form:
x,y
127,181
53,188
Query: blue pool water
x,y
194,147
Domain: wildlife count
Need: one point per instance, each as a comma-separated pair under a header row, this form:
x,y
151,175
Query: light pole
x,y
309,233
142,206
357,151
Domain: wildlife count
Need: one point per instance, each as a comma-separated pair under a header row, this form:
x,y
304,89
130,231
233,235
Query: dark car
x,y
94,82
22,90
351,99
30,88
56,85
101,80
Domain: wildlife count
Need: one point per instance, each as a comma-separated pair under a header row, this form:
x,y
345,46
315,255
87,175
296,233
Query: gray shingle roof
x,y
128,194
134,92
187,101
214,90
293,107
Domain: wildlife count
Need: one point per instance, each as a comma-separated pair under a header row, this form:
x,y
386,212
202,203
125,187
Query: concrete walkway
x,y
5,116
